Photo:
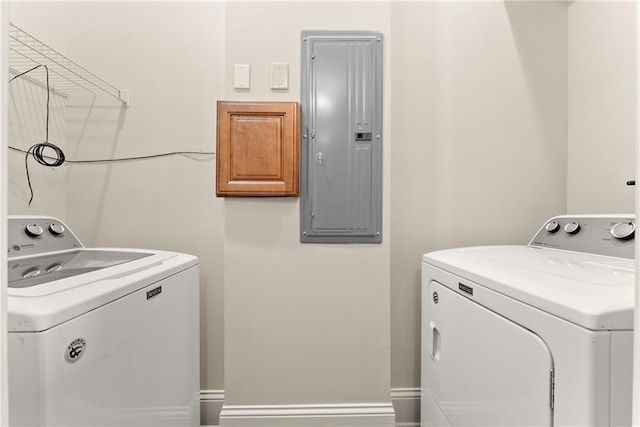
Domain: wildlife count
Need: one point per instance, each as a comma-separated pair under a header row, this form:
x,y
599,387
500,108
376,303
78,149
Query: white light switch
x,y
279,76
242,76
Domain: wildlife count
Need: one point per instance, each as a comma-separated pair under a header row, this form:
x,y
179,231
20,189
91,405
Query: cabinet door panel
x,y
257,151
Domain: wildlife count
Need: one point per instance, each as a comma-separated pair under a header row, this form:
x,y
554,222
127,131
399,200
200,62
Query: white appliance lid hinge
x,y
552,388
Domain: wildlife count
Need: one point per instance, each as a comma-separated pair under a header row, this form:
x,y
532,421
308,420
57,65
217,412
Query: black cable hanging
x,y
37,151
127,159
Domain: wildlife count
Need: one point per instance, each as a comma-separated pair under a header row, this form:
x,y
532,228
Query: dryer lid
x,y
593,291
559,264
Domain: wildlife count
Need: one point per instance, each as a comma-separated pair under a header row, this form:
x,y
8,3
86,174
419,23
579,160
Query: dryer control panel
x,y
33,235
609,235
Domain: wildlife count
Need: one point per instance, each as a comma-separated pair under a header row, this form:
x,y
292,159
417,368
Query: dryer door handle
x,y
435,341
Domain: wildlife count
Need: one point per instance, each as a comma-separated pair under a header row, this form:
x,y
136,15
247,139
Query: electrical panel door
x,y
341,162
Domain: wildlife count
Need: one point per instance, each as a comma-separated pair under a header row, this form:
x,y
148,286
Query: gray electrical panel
x,y
341,152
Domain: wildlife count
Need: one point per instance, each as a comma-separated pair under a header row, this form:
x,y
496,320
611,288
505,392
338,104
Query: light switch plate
x,y
279,76
242,76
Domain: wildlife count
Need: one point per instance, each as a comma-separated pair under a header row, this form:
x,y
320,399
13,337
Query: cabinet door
x,y
341,167
481,368
257,152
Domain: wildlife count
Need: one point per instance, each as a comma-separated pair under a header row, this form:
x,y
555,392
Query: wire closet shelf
x,y
65,75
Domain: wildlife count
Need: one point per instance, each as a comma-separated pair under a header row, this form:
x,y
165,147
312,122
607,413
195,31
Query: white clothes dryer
x,y
532,335
99,337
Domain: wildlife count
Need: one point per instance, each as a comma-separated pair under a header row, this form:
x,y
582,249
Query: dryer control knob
x,y
572,228
623,230
552,227
33,230
56,229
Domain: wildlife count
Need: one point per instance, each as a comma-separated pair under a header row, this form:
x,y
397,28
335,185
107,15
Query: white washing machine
x,y
99,337
532,335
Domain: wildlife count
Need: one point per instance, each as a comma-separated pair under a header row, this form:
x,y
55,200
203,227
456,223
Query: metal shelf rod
x,y
27,51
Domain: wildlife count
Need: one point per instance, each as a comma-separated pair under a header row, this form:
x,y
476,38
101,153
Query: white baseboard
x,y
211,402
406,403
211,395
351,415
405,393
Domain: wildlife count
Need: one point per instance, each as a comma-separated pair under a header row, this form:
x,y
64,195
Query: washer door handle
x,y
435,341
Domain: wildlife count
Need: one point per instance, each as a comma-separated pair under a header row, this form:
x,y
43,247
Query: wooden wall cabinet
x,y
257,149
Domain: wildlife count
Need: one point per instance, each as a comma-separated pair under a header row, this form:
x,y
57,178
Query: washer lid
x,y
100,277
33,271
593,291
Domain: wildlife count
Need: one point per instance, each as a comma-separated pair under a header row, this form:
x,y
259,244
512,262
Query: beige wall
x,y
303,323
497,116
170,56
479,118
323,317
602,75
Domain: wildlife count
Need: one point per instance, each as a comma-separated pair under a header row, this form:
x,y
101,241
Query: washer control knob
x,y
31,272
56,229
33,230
623,230
552,227
54,267
572,228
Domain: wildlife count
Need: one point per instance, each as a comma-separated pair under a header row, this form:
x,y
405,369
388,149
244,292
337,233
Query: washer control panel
x,y
33,235
610,235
